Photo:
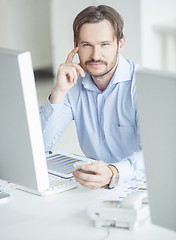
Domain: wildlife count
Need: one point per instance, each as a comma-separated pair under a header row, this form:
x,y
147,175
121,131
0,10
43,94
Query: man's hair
x,y
97,14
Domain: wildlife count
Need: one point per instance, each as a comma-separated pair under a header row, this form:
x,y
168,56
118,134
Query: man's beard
x,y
103,73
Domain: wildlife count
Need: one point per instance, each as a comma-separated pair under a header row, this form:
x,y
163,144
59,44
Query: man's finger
x,y
88,184
95,167
71,55
87,177
79,69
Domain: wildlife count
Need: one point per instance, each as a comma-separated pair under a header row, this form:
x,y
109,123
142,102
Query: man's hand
x,y
101,177
66,77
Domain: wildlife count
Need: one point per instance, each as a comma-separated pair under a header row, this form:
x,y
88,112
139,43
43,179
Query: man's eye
x,y
105,44
86,45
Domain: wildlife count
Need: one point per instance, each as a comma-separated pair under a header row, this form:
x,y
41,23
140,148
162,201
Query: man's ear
x,y
121,44
75,45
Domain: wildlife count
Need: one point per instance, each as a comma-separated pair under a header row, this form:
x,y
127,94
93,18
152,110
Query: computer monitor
x,y
22,155
156,100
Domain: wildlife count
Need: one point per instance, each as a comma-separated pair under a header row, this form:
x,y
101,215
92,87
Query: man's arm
x,y
55,118
57,114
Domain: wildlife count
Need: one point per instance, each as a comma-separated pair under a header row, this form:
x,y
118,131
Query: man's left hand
x,y
101,175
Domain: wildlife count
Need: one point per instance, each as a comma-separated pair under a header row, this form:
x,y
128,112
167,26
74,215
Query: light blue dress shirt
x,y
106,122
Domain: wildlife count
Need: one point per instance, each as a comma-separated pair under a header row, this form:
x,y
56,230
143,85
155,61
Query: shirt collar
x,y
89,84
123,70
122,73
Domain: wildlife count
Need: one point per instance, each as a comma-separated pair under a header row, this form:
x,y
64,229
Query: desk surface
x,y
63,216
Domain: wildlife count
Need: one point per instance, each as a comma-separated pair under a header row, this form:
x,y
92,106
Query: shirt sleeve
x,y
131,167
54,120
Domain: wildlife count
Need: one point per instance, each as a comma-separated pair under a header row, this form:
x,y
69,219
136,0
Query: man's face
x,y
97,48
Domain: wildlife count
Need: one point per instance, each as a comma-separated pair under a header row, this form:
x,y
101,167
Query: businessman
x,y
99,95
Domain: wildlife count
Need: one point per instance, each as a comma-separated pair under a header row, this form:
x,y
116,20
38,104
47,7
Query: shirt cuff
x,y
49,109
125,170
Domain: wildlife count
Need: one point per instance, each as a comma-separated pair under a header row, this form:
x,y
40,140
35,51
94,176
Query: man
x,y
99,95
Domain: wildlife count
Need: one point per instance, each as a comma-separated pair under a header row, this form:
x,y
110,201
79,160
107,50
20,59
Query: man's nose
x,y
95,53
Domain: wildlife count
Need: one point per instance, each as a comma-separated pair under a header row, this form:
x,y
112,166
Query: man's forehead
x,y
101,31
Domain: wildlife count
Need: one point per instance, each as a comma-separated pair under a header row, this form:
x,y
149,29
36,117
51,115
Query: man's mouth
x,y
96,63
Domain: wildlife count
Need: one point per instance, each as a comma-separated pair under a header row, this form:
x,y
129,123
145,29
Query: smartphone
x,y
78,165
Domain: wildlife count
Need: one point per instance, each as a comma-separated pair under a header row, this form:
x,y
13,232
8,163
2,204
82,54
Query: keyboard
x,y
58,184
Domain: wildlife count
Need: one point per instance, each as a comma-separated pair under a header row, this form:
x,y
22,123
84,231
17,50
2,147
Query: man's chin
x,y
98,74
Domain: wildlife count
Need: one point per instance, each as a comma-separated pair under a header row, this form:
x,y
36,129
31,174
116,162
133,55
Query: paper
x,y
123,190
7,186
63,164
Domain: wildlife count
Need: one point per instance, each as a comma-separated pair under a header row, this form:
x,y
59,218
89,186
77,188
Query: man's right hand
x,y
66,78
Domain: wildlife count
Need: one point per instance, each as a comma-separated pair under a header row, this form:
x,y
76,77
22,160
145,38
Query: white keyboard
x,y
58,184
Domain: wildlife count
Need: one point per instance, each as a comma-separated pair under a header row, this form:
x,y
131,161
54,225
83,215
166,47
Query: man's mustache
x,y
96,61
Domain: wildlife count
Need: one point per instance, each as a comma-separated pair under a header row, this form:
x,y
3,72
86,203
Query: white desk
x,y
63,217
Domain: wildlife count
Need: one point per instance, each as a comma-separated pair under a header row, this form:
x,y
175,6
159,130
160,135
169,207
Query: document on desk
x,y
124,189
62,164
7,186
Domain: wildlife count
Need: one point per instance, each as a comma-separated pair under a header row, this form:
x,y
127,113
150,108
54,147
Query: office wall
x,y
144,43
62,16
44,27
25,25
158,48
64,12
130,11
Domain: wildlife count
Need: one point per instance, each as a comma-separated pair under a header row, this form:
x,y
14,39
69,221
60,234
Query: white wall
x,y
25,25
157,13
144,44
62,17
64,12
130,11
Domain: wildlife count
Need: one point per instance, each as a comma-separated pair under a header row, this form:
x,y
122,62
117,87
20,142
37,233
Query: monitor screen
x,y
22,155
156,100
